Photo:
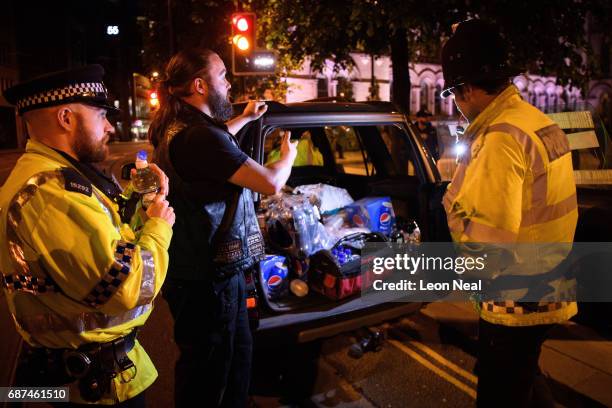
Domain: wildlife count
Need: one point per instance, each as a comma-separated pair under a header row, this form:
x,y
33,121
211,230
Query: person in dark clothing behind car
x,y
216,237
428,132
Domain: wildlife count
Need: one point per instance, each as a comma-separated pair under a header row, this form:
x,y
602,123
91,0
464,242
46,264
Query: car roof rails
x,y
326,104
384,105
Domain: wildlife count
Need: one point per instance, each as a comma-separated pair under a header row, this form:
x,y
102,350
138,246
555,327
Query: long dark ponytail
x,y
182,68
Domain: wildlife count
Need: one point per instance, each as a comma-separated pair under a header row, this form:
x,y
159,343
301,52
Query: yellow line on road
x,y
427,364
351,392
446,363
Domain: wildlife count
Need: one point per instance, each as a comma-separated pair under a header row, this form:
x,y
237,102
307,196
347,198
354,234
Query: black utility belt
x,y
111,354
93,365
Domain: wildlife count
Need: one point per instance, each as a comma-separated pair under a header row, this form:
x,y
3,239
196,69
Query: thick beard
x,y
221,108
86,148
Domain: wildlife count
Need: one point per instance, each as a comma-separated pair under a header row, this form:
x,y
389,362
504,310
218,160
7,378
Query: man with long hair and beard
x,y
216,237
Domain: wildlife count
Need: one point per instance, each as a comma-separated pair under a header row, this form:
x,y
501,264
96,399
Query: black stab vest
x,y
205,246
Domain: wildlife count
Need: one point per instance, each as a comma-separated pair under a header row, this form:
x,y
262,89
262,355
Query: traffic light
x,y
154,101
243,33
247,59
244,42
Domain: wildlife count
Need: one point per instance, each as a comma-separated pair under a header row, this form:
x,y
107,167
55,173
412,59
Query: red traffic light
x,y
242,24
153,100
243,33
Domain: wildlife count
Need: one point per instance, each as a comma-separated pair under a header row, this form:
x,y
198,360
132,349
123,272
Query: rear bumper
x,y
302,327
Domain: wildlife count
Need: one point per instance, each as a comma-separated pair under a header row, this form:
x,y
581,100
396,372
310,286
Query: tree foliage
x,y
332,30
203,23
545,37
194,23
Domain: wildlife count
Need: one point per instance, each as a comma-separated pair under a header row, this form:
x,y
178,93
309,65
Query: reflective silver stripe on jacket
x,y
539,212
147,285
23,280
82,322
27,192
551,137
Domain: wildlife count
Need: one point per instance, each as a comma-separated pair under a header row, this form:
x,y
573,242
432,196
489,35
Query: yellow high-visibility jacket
x,y
72,272
515,184
307,155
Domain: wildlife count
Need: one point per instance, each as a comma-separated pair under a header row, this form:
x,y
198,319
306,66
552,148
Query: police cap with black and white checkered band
x,y
79,85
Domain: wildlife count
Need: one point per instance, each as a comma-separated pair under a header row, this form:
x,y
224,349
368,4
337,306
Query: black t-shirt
x,y
208,154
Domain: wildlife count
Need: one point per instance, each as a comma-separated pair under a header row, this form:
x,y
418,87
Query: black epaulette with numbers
x,y
75,181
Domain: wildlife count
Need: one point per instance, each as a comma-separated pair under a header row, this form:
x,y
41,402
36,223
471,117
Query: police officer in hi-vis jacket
x,y
80,278
514,185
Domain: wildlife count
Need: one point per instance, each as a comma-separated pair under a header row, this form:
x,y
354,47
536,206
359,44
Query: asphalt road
x,y
422,363
414,367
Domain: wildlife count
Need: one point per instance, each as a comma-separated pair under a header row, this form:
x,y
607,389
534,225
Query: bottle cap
x,y
142,155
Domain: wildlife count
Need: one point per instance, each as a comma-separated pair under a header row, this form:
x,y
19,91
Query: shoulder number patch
x,y
74,181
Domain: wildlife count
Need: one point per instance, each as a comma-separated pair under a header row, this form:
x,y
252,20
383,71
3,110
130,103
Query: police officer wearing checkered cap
x,y
79,277
514,184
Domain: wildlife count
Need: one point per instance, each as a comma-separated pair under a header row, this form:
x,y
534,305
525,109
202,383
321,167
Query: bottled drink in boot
x,y
145,181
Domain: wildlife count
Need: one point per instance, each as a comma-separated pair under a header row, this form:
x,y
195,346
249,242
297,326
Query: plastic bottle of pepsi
x,y
145,181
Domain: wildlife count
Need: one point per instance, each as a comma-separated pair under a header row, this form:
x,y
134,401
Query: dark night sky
x,y
55,35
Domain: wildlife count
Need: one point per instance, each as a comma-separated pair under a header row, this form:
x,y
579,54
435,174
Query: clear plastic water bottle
x,y
301,231
145,181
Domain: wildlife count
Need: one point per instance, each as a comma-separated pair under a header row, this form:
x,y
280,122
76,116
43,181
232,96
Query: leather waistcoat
x,y
204,246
